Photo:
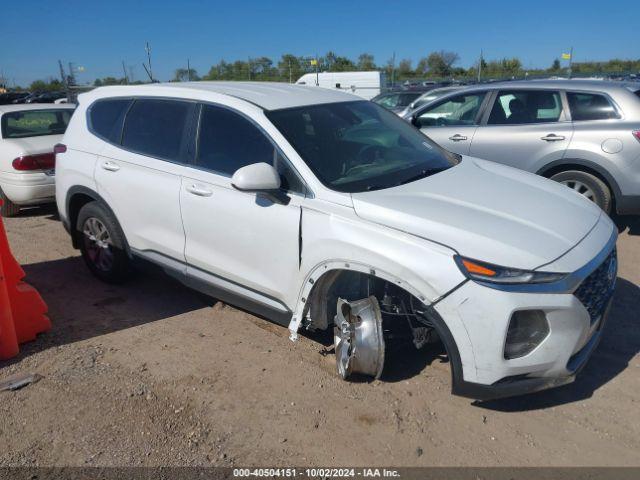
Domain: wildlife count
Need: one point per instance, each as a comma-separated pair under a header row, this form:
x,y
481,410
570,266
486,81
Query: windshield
x,y
395,100
34,123
359,146
429,97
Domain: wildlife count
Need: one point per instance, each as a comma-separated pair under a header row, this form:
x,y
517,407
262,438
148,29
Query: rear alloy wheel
x,y
102,244
97,243
587,185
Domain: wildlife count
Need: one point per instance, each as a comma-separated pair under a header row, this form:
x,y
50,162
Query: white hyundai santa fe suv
x,y
318,210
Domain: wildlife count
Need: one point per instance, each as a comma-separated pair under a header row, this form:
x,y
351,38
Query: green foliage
x,y
106,81
51,85
366,62
184,75
404,68
438,65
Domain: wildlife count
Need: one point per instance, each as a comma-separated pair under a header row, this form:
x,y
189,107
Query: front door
x,y
452,122
243,243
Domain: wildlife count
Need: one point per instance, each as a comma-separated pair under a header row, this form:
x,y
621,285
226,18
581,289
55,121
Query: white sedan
x,y
27,158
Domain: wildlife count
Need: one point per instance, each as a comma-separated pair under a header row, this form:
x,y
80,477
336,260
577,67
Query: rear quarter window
x,y
106,117
591,106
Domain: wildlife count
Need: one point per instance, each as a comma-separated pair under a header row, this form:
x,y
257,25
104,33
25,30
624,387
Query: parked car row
x,y
28,97
320,210
584,134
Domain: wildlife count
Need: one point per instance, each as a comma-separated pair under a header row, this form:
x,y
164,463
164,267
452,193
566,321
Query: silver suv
x,y
584,134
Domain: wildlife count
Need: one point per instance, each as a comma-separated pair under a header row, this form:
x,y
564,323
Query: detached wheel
x,y
102,244
588,185
8,209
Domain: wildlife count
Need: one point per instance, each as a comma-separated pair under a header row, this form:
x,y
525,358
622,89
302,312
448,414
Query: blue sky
x,y
99,35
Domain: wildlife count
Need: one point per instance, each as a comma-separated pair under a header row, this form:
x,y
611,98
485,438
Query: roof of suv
x,y
267,95
561,84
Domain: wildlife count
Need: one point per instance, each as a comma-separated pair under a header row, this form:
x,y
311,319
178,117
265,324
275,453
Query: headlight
x,y
487,272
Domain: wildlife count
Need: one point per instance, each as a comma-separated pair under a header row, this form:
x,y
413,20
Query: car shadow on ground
x,y
82,307
48,211
619,345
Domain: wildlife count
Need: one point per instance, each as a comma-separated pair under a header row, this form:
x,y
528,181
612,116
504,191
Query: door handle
x,y
457,138
200,192
110,166
552,137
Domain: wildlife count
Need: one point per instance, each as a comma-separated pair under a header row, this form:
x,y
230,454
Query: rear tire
x,y
103,244
588,185
8,209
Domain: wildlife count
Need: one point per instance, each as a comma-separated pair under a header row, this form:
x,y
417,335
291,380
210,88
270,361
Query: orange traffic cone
x,y
8,338
22,310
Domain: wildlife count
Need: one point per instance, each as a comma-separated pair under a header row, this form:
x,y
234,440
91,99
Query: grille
x,y
596,290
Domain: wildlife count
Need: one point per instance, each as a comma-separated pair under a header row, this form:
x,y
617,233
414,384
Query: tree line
x,y
439,65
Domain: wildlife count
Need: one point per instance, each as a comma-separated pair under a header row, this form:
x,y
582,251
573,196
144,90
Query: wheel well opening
x,y
76,202
413,335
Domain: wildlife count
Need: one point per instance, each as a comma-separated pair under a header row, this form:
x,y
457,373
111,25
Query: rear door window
x,y
519,107
106,117
158,128
35,123
590,106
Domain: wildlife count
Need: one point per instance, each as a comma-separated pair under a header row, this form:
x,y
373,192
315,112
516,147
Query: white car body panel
x,y
145,198
226,222
455,208
27,187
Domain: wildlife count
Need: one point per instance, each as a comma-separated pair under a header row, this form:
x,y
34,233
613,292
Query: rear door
x,y
526,129
452,122
139,175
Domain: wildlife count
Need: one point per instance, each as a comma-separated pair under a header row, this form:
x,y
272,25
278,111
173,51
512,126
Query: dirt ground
x,y
151,374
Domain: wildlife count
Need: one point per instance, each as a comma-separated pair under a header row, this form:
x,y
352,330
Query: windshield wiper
x,y
423,174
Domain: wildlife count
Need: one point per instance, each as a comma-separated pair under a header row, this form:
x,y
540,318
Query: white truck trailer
x,y
364,84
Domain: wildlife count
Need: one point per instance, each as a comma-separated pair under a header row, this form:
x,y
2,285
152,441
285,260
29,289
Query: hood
x,y
486,211
15,147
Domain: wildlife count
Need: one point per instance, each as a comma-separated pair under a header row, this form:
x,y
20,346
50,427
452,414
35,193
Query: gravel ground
x,y
149,373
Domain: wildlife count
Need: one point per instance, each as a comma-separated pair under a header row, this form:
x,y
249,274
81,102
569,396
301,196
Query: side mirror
x,y
260,178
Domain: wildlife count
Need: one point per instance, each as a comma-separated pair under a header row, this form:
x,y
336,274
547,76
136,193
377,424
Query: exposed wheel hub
x,y
358,338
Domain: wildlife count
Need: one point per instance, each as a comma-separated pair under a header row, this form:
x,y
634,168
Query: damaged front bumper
x,y
524,384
